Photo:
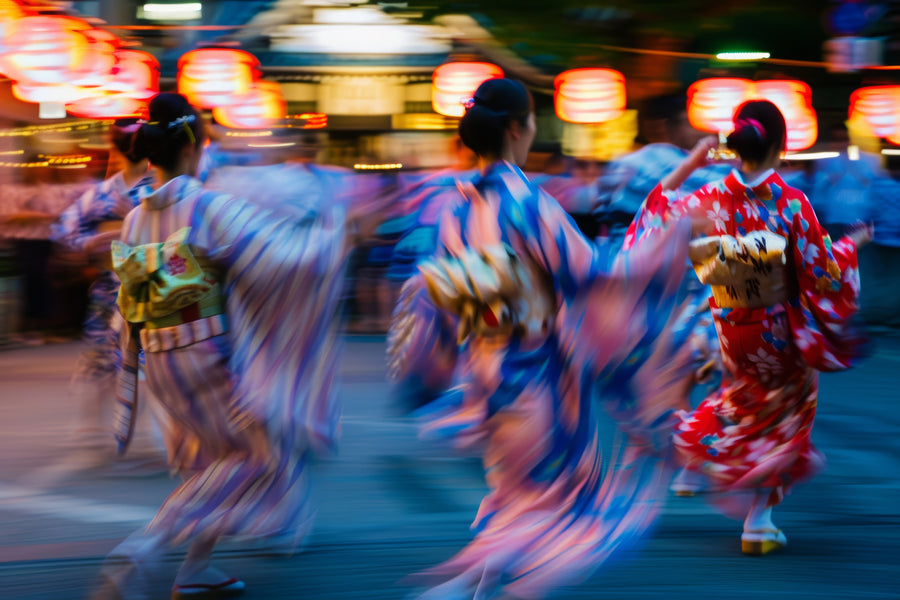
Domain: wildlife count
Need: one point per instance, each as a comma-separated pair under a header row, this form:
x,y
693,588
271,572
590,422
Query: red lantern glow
x,y
453,83
98,59
136,74
213,77
43,50
62,93
263,104
589,95
108,106
712,103
879,107
313,120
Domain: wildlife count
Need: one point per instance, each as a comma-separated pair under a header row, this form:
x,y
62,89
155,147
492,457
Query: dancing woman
x,y
89,225
514,275
783,297
208,283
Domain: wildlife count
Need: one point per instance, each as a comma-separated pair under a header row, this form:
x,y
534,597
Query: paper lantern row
x,y
580,95
66,60
713,102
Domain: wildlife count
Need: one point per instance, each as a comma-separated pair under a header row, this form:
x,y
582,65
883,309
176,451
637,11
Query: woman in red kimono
x,y
783,296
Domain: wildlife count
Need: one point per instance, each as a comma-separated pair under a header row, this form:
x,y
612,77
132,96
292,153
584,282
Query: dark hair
x,y
497,102
173,124
759,128
121,134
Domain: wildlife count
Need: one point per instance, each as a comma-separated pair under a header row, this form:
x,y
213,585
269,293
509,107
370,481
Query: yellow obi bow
x,y
158,279
751,271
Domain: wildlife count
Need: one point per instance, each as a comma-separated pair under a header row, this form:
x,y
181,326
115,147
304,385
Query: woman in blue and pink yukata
x,y
543,329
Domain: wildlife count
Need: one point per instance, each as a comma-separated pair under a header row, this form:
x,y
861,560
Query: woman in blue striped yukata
x,y
89,225
230,300
544,326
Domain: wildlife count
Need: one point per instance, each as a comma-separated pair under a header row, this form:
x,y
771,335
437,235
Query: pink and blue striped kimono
x,y
547,335
249,390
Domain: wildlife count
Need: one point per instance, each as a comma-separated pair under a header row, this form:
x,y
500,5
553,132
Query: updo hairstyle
x,y
759,129
497,102
122,133
172,125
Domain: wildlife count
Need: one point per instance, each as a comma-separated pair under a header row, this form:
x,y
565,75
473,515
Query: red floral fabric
x,y
754,431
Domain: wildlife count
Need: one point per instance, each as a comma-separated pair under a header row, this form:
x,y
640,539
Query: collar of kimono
x,y
506,175
172,191
769,187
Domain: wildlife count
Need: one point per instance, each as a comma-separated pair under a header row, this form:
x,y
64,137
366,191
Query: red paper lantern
x,y
98,58
794,100
589,95
212,77
712,102
455,82
879,107
135,74
43,50
263,104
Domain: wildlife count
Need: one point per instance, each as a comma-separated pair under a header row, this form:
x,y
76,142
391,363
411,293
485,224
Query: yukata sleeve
x,y
656,211
283,285
823,314
571,259
71,229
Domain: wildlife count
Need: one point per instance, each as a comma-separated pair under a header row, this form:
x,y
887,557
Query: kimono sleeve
x,y
823,313
283,285
571,259
657,209
71,229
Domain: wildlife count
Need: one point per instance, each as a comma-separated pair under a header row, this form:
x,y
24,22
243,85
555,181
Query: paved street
x,y
390,505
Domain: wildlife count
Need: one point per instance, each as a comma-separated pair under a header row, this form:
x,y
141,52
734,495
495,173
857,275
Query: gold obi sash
x,y
493,292
752,271
164,285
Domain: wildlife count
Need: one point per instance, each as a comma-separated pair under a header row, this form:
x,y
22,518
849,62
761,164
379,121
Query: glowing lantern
x,y
453,83
43,50
263,104
212,77
879,107
794,100
589,95
713,102
135,74
313,120
108,106
97,60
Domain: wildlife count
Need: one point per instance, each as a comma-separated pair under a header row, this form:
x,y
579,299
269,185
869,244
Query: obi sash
x,y
751,271
492,290
169,300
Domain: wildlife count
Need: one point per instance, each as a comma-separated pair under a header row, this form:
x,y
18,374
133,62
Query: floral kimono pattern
x,y
754,431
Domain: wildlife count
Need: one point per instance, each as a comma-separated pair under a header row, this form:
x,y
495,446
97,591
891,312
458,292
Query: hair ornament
x,y
745,122
184,121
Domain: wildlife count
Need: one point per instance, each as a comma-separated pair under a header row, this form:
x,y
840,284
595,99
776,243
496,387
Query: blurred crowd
x,y
43,285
